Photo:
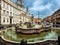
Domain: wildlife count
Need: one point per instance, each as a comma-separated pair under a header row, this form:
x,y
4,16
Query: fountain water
x,y
51,35
11,35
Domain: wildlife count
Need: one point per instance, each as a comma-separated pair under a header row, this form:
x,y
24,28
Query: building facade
x,y
54,18
13,13
37,20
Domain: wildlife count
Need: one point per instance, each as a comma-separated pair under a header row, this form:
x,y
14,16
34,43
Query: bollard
x,y
23,42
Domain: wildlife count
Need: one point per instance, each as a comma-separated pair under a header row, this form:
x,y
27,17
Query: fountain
x,y
17,37
10,35
29,29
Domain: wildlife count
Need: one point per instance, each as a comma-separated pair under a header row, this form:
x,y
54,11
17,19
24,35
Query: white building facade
x,y
11,13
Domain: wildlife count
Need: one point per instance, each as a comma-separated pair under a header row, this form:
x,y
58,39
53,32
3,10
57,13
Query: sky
x,y
45,7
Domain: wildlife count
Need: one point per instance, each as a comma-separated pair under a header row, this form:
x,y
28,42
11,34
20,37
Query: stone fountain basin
x,y
42,41
28,30
50,38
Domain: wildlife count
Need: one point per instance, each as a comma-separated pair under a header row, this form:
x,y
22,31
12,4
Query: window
x,y
7,13
4,5
7,20
10,13
4,19
10,8
4,11
7,6
14,10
